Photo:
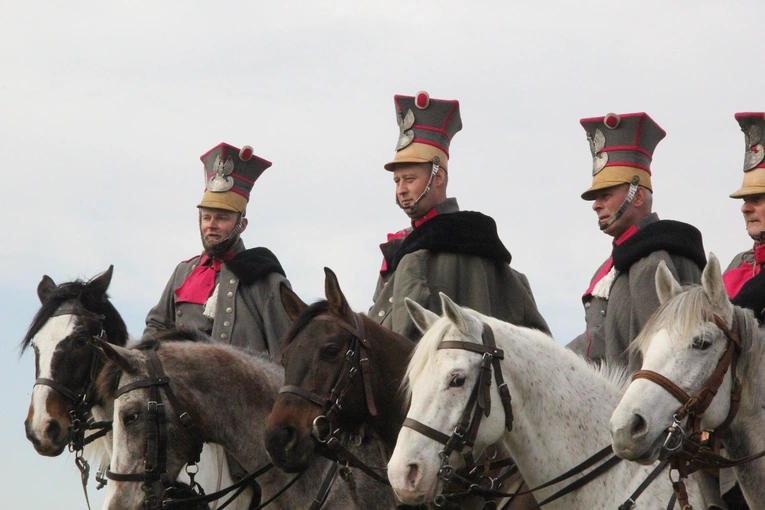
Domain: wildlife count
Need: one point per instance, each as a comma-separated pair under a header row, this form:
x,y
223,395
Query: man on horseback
x,y
227,291
445,249
744,278
622,294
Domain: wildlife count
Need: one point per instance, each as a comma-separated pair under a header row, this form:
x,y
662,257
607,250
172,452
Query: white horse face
x,y
63,358
129,444
440,394
640,421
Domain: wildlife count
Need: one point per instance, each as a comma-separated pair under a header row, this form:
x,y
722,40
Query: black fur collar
x,y
254,264
675,237
463,232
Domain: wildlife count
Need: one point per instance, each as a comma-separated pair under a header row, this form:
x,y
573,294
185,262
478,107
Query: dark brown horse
x,y
342,370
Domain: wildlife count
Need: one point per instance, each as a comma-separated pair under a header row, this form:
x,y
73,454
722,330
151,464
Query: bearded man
x,y
228,292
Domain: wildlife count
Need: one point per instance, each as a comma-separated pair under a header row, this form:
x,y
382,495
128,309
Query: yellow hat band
x,y
754,183
614,176
417,153
227,200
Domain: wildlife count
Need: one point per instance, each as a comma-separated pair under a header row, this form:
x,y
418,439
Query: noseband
x,y
155,459
478,404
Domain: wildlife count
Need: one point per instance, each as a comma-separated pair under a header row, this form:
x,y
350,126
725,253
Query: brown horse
x,y
316,355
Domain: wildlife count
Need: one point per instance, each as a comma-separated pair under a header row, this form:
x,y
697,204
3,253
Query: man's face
x,y
411,180
607,203
754,215
215,225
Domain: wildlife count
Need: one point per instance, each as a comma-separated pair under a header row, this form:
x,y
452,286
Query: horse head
x,y
65,365
441,379
341,368
151,441
684,346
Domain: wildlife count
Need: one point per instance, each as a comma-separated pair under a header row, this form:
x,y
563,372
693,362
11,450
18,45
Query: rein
x,y
327,428
694,449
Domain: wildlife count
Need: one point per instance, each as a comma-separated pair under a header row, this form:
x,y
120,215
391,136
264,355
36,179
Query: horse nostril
x,y
53,430
289,437
413,476
639,425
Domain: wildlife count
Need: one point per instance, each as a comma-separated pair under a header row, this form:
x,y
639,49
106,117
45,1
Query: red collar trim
x,y
419,221
626,235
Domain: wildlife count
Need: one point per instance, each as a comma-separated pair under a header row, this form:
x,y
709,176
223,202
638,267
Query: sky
x,y
105,108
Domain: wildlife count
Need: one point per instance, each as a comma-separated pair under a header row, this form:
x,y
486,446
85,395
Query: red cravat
x,y
198,286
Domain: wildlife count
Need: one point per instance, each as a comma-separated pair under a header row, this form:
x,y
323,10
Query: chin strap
x,y
436,166
627,201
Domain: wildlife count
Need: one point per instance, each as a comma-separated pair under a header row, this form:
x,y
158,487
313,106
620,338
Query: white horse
x,y
64,368
683,343
561,406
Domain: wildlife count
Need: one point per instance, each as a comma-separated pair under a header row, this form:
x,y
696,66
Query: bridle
x,y
327,428
693,449
155,459
477,406
80,416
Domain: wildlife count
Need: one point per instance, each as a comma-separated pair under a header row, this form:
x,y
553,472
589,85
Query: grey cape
x,y
249,314
616,314
460,254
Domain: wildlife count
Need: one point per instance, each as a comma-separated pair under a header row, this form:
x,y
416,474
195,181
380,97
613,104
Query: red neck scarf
x,y
199,285
737,277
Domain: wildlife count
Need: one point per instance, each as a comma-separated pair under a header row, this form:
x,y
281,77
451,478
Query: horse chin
x,y
651,454
48,448
292,457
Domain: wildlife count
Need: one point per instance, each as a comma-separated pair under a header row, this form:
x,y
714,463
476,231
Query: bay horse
x,y
684,342
315,355
226,396
64,399
560,409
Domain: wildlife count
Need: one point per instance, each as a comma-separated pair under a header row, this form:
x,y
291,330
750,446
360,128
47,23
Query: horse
x,y
683,342
226,396
315,355
561,405
64,398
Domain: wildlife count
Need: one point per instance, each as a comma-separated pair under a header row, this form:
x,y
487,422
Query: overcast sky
x,y
105,108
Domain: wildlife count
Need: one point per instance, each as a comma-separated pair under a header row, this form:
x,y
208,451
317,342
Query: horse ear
x,y
128,360
45,287
711,280
421,316
335,296
666,285
293,305
454,313
100,283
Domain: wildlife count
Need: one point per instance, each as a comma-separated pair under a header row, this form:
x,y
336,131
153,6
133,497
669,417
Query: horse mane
x,y
428,345
320,307
116,330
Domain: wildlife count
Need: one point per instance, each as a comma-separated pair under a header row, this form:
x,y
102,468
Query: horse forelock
x,y
681,316
301,321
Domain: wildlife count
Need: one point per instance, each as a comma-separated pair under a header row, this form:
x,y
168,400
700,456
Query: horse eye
x,y
330,352
700,343
129,418
458,380
80,341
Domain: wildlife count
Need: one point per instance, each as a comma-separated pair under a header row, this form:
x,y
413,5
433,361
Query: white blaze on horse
x,y
683,342
561,407
228,395
64,397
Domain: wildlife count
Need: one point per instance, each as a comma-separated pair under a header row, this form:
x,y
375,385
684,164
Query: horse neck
x,y
561,405
390,353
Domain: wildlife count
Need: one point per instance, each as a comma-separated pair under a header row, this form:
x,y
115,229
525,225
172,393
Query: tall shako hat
x,y
622,149
753,126
229,175
426,127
